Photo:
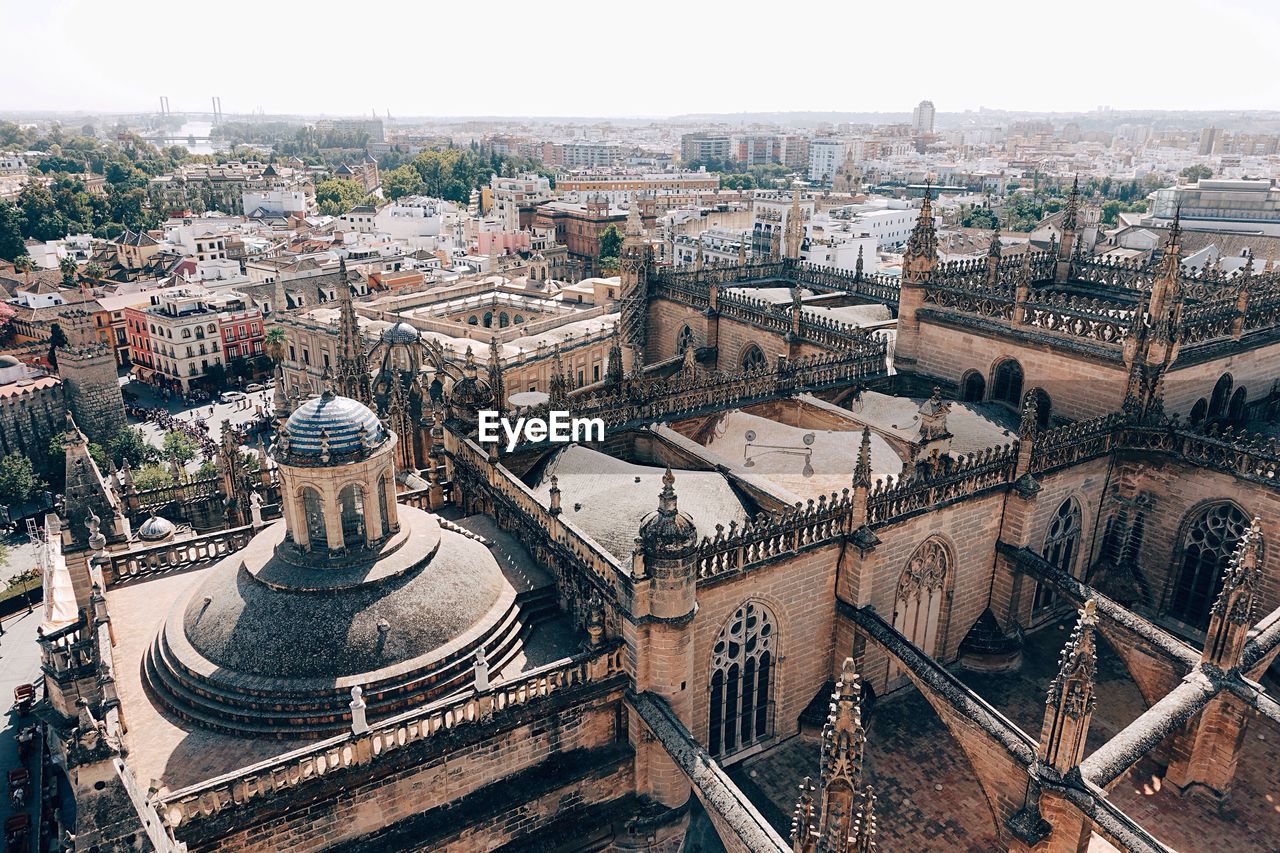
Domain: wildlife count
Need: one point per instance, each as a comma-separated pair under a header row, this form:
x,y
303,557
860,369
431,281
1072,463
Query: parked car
x,y
255,387
231,396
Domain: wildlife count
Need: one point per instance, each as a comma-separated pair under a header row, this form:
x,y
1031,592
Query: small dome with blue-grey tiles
x,y
331,430
401,333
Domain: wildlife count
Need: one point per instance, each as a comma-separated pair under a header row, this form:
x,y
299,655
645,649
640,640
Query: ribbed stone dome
x,y
340,426
155,528
401,333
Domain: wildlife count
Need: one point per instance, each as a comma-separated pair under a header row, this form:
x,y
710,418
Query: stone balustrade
x,y
510,488
938,481
298,768
178,555
767,537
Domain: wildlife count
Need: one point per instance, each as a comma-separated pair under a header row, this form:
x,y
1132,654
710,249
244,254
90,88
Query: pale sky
x,y
641,58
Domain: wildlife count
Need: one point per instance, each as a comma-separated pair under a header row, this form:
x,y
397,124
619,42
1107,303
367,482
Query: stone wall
x,y
30,418
414,782
1254,370
1079,387
797,592
1179,492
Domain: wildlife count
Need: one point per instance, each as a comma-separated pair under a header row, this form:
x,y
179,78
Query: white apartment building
x,y
825,156
274,202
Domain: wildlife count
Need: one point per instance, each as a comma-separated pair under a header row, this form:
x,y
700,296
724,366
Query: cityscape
x,y
882,459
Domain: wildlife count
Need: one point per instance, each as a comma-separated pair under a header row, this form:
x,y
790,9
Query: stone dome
x,y
667,531
331,428
401,333
156,529
259,646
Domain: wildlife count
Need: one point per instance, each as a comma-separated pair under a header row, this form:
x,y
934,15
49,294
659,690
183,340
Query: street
x,y
239,412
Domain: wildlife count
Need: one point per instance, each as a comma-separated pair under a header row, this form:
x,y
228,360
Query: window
x,y
742,673
917,613
1061,546
1006,385
351,507
684,340
1221,393
973,387
186,333
753,358
313,510
383,515
1206,548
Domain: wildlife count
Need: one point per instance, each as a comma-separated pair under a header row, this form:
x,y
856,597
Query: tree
x,y
737,182
974,216
178,446
11,245
94,272
68,267
241,368
151,477
1196,173
57,339
128,444
610,247
273,342
216,375
336,196
18,480
401,181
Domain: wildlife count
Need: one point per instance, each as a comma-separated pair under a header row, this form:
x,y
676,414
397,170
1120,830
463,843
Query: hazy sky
x,y
640,58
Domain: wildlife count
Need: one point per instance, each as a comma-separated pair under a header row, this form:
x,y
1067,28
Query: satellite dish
x,y
750,435
808,439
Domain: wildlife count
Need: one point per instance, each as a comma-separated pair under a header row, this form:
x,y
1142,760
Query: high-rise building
x,y
1209,138
922,117
705,146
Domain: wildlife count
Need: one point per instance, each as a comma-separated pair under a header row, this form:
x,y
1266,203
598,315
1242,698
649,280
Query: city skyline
x,y
1012,61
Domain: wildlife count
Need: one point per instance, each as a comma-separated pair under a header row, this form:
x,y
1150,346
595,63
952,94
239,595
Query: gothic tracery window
x,y
753,358
684,340
742,662
1206,548
1061,547
917,611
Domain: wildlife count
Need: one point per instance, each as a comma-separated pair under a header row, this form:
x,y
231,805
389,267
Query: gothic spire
x,y
1232,613
1071,211
353,362
862,469
495,375
802,831
923,242
1070,701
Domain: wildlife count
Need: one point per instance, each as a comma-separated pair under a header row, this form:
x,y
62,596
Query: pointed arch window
x,y
753,358
917,611
742,664
1006,383
1061,548
1206,548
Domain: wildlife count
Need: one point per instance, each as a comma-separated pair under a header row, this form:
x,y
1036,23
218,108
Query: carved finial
x,y
862,469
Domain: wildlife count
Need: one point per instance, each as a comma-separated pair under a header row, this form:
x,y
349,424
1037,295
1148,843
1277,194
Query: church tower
x,y
88,371
1070,216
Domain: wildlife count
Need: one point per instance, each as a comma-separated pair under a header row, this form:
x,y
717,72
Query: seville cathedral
x,y
980,557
